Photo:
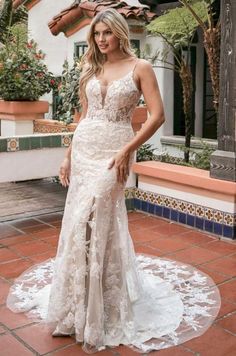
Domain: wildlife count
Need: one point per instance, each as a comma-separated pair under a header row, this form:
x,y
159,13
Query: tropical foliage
x,y
211,34
178,27
23,74
68,92
146,152
10,17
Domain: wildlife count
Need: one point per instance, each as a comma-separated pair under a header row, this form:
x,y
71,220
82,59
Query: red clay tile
x,y
50,217
14,269
169,229
195,255
168,245
228,291
75,12
51,240
224,248
214,342
33,229
229,323
216,276
19,224
172,351
56,224
133,228
144,235
41,340
226,308
51,253
124,351
45,233
52,235
4,288
147,223
10,241
233,256
8,255
135,216
7,231
225,265
13,320
31,248
76,350
140,248
10,346
2,330
195,237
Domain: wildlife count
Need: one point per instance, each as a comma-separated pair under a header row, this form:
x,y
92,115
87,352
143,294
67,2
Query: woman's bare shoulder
x,y
143,64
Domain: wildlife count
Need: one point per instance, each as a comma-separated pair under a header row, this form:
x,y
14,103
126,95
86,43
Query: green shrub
x,y
23,74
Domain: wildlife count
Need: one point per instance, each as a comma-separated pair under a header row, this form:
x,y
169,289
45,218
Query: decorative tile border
x,y
204,218
13,144
23,143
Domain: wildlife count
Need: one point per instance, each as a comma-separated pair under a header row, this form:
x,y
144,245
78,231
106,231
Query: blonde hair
x,y
93,60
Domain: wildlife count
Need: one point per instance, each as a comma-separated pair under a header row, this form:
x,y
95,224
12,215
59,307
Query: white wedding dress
x,y
97,288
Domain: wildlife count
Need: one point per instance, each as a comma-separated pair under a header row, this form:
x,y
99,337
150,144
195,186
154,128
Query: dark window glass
x,y
136,46
80,48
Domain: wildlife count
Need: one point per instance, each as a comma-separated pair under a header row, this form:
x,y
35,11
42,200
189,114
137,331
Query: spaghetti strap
x,y
132,72
135,65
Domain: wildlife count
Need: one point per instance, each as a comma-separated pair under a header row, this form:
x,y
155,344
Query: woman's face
x,y
105,39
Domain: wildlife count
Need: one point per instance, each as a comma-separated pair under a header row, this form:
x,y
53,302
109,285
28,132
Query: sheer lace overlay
x,y
96,287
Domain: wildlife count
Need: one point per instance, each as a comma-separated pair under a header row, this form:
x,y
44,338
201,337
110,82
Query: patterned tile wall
x,y
23,143
210,220
204,218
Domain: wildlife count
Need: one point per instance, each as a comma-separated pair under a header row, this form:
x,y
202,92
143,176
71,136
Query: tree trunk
x,y
212,47
186,77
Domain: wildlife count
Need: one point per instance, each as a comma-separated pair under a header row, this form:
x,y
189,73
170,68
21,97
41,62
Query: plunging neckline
x,y
103,97
114,80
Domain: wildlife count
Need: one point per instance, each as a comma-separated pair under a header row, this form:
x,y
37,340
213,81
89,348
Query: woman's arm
x,y
150,90
148,84
64,172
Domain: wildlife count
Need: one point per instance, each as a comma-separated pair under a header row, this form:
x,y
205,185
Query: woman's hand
x,y
121,164
64,173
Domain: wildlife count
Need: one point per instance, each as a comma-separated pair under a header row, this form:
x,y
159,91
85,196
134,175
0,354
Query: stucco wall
x,y
55,47
58,48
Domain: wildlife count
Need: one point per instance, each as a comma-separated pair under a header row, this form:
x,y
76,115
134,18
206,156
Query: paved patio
x,y
24,242
30,198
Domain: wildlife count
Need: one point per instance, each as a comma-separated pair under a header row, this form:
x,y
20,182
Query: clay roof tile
x,y
88,9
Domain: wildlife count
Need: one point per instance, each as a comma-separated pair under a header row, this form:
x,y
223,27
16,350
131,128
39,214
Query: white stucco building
x,y
60,29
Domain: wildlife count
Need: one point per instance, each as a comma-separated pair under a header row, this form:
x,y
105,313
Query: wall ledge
x,y
196,142
187,176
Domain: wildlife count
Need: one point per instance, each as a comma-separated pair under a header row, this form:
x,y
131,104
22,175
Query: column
x,y
223,161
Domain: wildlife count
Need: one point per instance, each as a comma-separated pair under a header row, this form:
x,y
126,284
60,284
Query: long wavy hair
x,y
93,60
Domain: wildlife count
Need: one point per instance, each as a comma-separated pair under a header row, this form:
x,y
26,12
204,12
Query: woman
x,y
100,291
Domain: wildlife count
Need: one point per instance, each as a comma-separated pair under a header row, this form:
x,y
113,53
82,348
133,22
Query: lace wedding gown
x,y
96,287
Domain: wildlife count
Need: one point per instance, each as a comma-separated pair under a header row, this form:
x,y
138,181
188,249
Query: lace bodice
x,y
116,103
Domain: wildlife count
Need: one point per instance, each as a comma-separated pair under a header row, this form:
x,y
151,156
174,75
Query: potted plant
x,y
139,115
68,107
24,78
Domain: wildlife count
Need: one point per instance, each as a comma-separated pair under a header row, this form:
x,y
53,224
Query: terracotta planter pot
x,y
76,116
139,117
23,110
52,126
17,117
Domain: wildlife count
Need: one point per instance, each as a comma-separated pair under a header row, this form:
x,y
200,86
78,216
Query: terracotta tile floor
x,y
28,241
